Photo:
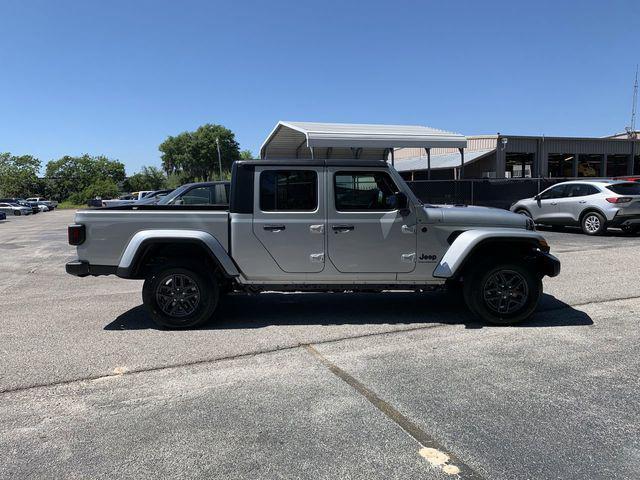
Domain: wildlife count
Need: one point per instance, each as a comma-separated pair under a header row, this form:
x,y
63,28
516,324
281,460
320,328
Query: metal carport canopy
x,y
287,138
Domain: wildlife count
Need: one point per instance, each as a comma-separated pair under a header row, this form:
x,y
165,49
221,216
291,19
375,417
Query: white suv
x,y
593,205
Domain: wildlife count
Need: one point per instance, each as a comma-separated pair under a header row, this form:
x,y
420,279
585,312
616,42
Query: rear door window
x,y
625,188
580,190
288,190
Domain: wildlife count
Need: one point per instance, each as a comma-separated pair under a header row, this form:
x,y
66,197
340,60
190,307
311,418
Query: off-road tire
x,y
160,283
454,291
479,294
593,223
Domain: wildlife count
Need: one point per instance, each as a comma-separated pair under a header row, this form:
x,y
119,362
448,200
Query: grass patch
x,y
68,204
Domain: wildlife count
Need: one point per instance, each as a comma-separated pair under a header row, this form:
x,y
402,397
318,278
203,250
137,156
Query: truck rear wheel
x,y
503,294
180,296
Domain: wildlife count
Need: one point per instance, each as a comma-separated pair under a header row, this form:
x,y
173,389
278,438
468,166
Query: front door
x,y
546,209
289,218
364,234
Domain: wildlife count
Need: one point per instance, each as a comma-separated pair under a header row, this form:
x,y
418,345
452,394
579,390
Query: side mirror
x,y
537,198
402,202
398,201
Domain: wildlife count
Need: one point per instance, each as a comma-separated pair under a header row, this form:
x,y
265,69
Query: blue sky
x,y
116,77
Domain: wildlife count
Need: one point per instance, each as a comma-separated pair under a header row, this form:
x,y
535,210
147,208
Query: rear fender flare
x,y
465,244
593,209
145,238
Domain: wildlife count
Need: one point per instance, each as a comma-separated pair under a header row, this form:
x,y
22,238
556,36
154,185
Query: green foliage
x,y
70,204
149,178
246,155
174,180
194,155
103,188
73,175
19,175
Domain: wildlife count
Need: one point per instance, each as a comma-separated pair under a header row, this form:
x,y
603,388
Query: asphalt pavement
x,y
398,385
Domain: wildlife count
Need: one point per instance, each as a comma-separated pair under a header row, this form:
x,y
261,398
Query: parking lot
x,y
401,385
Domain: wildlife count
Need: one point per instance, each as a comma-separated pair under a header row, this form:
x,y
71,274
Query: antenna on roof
x,y
631,129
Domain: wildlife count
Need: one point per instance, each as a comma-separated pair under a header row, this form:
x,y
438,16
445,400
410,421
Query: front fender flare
x,y
144,238
466,242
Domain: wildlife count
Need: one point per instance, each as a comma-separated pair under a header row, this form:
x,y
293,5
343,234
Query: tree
x,y
70,175
246,155
19,175
102,188
149,178
194,155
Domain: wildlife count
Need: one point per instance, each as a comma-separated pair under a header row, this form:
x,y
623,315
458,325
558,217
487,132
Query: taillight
x,y
619,199
76,234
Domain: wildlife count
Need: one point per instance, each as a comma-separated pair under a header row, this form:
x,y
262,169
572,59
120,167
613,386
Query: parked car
x,y
200,193
594,205
154,197
126,199
49,203
19,201
3,216
15,209
631,178
329,225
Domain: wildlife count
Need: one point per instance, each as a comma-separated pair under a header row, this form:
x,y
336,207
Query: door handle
x,y
342,228
274,228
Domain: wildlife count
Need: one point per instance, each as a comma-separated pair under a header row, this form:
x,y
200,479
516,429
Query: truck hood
x,y
479,216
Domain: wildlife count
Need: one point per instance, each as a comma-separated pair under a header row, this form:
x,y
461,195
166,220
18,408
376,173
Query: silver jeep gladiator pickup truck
x,y
314,225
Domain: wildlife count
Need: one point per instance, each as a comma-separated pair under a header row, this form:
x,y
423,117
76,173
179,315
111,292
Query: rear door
x,y
574,201
365,235
289,216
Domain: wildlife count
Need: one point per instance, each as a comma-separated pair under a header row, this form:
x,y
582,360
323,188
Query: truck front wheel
x,y
179,296
503,294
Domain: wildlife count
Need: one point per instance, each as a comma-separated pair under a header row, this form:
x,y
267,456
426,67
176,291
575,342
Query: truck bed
x,y
109,229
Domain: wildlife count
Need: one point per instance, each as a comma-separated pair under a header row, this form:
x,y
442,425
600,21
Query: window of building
x,y
617,165
519,165
560,165
589,165
288,190
363,190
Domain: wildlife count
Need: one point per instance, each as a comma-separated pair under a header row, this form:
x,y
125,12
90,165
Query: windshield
x,y
625,188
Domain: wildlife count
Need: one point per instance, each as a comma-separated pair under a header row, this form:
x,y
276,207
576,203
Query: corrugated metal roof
x,y
447,160
288,138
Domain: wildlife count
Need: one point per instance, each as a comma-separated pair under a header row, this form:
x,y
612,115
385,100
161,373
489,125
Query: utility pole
x,y
631,129
219,157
